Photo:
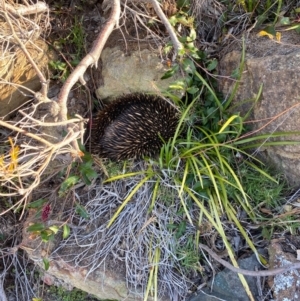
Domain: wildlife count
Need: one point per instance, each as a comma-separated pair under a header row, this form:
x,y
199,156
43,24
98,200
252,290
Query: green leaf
x,y
66,231
46,235
170,72
46,264
178,85
188,66
37,204
183,3
181,229
81,211
54,229
192,90
235,73
270,30
285,21
173,20
88,172
181,52
68,183
167,48
212,65
193,34
184,20
36,227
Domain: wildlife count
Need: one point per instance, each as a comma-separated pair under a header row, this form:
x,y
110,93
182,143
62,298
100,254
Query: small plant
x,y
75,40
42,229
63,295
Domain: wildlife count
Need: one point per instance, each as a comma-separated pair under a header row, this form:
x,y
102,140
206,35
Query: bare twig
x,y
17,129
265,273
22,10
90,59
50,124
2,292
177,45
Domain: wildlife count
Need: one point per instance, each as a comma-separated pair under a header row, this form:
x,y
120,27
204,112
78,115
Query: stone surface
x,y
274,66
16,70
140,71
105,282
285,286
227,285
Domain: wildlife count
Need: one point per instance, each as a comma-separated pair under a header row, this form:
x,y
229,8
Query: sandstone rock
x,y
17,71
105,282
275,66
138,72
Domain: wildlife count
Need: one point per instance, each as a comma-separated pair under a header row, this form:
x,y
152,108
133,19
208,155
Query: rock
x,y
227,285
284,286
106,282
138,72
275,66
17,70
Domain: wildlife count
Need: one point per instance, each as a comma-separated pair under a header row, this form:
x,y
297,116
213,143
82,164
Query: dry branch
x,y
266,273
22,10
90,59
28,56
2,292
177,45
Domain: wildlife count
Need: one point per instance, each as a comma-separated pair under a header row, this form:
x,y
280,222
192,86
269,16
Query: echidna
x,y
133,126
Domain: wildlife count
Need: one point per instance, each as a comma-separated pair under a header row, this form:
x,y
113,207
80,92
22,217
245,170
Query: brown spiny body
x,y
133,126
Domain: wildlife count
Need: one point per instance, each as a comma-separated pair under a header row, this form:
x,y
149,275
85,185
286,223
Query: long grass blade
x,y
125,202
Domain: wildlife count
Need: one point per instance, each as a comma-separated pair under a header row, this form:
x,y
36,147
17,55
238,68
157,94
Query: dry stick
x,y
51,149
91,58
22,10
177,45
2,292
42,123
28,56
14,128
266,273
272,119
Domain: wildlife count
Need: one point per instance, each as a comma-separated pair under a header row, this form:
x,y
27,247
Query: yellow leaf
x,y
278,36
37,299
263,33
14,153
54,229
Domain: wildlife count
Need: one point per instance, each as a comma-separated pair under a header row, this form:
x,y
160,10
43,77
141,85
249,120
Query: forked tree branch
x,y
22,10
265,273
90,59
177,45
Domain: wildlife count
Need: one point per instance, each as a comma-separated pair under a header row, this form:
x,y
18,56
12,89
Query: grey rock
x,y
227,285
275,67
